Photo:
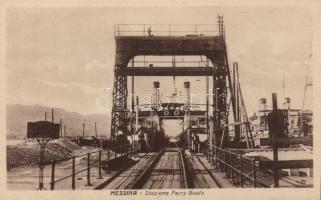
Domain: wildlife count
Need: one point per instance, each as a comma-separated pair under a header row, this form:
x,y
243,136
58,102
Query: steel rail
x,y
139,183
218,183
108,181
188,182
128,186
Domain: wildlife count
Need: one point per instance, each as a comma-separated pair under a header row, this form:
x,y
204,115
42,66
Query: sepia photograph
x,y
146,101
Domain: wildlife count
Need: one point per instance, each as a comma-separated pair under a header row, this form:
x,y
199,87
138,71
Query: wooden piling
x,y
52,182
88,170
73,175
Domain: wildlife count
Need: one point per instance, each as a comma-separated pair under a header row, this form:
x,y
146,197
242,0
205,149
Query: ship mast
x,y
306,85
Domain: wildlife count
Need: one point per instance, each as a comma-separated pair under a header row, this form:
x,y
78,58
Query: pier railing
x,y
180,62
237,168
94,159
165,29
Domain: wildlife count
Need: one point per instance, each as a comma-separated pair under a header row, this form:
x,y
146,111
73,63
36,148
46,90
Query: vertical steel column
x,y
274,141
220,89
237,104
220,25
219,113
136,122
133,89
188,102
132,95
209,135
119,109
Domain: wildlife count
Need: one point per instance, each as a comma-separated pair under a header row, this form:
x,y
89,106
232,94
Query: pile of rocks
x,y
28,154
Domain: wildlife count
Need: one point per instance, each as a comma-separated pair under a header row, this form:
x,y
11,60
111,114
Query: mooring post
x,y
73,174
41,167
42,142
88,170
99,165
52,182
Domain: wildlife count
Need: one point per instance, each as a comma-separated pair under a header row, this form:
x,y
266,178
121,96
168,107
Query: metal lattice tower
x,y
212,47
119,109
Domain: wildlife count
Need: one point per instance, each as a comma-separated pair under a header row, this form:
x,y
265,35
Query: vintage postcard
x,y
160,100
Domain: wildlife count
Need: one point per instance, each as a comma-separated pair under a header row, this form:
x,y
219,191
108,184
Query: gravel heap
x,y
28,154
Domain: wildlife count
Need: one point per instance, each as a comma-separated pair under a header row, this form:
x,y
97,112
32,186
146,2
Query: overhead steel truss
x,y
213,47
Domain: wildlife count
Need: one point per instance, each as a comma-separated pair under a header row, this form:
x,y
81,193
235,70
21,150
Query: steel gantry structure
x,y
213,47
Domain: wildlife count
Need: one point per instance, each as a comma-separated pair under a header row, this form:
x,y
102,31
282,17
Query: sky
x,y
64,57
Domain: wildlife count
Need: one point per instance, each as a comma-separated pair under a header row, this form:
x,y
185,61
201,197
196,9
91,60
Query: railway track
x,y
168,171
217,183
170,168
125,176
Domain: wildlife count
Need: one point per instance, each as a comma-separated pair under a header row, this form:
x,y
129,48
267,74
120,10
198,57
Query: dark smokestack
x,y
187,86
287,102
156,87
262,105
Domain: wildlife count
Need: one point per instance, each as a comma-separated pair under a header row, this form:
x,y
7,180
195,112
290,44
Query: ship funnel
x,y
156,93
287,103
187,88
262,105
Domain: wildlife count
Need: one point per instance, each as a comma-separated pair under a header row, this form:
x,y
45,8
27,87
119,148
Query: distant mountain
x,y
18,116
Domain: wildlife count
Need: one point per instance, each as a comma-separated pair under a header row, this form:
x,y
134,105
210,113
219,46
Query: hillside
x,y
19,115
